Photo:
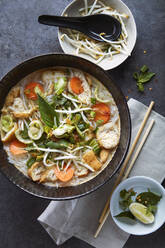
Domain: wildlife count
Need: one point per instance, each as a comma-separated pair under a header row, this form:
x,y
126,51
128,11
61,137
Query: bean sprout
x,y
98,50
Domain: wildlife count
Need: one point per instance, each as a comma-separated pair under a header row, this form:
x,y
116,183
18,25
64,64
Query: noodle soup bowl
x,y
70,192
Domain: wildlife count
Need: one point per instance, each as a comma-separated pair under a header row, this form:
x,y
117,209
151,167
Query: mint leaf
x,y
144,68
146,77
143,77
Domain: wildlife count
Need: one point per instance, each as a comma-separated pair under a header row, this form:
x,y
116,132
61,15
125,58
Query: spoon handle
x,y
60,21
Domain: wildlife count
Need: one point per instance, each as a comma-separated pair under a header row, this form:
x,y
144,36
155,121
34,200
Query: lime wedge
x,y
141,213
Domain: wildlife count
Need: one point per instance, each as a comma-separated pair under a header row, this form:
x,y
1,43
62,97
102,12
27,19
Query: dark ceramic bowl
x,y
52,60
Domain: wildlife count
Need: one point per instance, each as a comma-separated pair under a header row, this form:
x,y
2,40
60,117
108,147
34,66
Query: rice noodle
x,y
85,165
71,111
70,98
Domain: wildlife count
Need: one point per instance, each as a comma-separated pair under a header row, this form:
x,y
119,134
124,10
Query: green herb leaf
x,y
152,209
140,87
146,77
135,75
47,112
126,198
144,68
143,77
125,214
148,198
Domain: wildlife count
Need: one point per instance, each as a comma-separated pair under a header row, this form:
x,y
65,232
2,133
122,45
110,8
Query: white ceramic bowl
x,y
139,184
106,63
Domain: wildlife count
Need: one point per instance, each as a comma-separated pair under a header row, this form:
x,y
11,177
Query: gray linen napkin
x,y
79,217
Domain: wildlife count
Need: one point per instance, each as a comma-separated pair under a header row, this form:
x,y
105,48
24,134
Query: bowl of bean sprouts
x,y
107,54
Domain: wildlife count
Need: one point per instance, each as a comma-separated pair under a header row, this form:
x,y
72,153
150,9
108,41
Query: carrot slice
x,y
76,85
30,90
64,176
16,147
102,111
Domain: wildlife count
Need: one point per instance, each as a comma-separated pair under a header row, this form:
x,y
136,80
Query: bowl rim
x,y
124,183
103,67
33,58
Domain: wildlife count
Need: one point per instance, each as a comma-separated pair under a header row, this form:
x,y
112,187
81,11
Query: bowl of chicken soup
x,y
65,126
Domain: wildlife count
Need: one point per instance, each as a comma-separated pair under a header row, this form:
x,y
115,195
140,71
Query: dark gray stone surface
x,y
21,37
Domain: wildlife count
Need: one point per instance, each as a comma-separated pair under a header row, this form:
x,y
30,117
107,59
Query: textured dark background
x,y
21,37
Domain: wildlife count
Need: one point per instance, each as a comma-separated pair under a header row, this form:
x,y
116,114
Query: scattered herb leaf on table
x,y
143,77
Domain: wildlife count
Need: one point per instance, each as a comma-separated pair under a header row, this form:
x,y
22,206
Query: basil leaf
x,y
47,112
146,77
126,214
144,68
148,198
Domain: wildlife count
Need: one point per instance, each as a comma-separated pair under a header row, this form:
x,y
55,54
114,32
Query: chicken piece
x,y
91,159
5,137
14,93
36,171
104,155
81,171
108,136
49,175
18,109
85,96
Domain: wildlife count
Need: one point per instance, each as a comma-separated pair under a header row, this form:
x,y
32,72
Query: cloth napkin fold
x,y
79,217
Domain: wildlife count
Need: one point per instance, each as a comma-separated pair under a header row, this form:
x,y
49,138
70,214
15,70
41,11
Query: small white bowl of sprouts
x,y
107,55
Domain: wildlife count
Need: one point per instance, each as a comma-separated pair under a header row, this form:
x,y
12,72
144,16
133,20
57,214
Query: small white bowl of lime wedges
x,y
137,205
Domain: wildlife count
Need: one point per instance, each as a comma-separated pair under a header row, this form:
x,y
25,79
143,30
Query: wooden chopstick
x,y
105,212
127,173
139,149
128,157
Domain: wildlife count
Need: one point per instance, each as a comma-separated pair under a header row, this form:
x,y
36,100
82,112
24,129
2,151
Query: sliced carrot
x,y
102,111
30,90
16,147
64,176
76,85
